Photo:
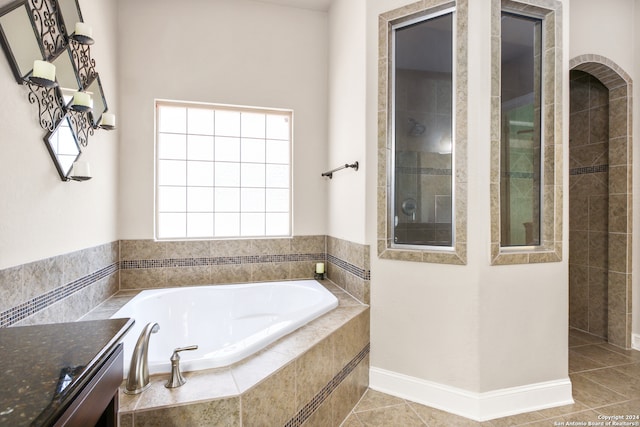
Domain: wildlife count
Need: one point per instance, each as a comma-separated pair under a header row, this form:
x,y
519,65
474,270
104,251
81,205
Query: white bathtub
x,y
227,322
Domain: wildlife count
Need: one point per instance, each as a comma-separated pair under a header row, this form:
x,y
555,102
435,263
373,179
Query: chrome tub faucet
x,y
138,378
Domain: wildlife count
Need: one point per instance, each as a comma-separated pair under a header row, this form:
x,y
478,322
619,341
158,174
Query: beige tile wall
x,y
620,191
155,264
65,287
348,266
58,289
588,204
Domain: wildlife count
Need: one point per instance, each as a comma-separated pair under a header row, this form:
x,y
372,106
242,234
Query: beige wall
x,y
475,327
41,216
636,178
614,38
617,39
221,51
347,106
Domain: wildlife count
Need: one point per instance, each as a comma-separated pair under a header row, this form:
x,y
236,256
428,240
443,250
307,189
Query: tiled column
x,y
349,268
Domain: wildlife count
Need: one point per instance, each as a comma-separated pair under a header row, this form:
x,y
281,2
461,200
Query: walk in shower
x,y
423,154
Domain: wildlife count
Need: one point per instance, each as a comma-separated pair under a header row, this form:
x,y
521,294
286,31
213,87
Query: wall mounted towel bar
x,y
346,165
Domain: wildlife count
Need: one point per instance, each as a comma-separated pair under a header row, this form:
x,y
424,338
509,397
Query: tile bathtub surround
x,y
65,287
348,266
313,376
58,289
156,264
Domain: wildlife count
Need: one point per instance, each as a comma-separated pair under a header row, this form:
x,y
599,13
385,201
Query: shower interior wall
x,y
616,21
588,204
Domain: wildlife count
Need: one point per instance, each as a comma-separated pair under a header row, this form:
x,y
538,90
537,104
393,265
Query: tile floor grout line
x,y
613,348
417,414
595,369
612,404
607,365
379,407
611,390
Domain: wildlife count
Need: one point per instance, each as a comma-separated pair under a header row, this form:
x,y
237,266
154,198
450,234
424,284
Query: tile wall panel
x,y
150,264
348,266
597,83
45,291
588,204
60,288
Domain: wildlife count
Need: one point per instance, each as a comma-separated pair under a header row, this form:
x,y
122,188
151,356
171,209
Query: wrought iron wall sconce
x,y
55,65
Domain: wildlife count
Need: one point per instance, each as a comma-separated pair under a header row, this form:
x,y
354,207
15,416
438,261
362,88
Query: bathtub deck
x,y
329,345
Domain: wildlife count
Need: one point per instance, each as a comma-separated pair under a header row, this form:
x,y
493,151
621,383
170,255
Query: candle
x,y
320,267
82,99
108,119
83,29
80,171
44,70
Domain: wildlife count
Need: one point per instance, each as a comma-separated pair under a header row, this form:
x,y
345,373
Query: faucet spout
x,y
138,378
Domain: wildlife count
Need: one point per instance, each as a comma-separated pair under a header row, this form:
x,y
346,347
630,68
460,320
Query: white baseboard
x,y
635,341
476,406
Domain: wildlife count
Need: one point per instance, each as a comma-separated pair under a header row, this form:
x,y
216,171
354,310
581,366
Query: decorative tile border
x,y
359,272
308,409
32,306
206,261
314,244
589,169
518,175
348,266
424,171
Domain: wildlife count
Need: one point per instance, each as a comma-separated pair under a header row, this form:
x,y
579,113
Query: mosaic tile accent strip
x,y
326,391
424,171
32,306
357,271
521,175
197,262
589,169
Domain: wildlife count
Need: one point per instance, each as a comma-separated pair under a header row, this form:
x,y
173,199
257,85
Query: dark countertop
x,y
43,367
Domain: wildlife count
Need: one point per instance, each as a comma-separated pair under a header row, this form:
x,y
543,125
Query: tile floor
x,y
606,381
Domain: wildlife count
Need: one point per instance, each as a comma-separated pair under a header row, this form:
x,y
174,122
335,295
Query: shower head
x,y
415,128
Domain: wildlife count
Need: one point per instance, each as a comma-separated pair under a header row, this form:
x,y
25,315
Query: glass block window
x,y
222,171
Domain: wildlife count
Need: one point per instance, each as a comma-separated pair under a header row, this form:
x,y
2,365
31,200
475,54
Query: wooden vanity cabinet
x,y
97,403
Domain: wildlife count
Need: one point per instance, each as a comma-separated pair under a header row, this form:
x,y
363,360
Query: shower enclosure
x,y
520,139
423,153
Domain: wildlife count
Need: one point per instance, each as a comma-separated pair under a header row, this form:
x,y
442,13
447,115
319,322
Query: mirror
x,y
99,102
70,13
66,75
62,144
18,38
36,29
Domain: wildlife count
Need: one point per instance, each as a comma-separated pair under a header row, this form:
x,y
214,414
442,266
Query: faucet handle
x,y
178,350
176,379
